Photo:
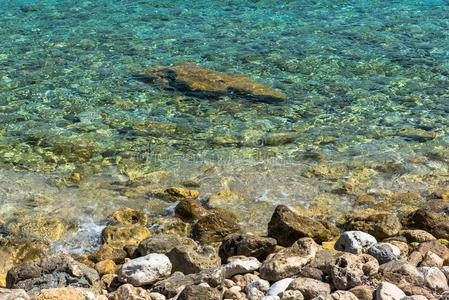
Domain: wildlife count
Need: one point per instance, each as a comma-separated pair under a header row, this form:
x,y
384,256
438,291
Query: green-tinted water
x,y
367,85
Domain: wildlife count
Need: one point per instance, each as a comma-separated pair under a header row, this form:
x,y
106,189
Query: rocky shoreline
x,y
202,253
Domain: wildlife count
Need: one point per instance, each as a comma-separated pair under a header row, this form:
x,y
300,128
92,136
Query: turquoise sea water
x,y
367,109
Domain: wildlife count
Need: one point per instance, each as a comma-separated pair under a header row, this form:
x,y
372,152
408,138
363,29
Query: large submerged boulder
x,y
194,80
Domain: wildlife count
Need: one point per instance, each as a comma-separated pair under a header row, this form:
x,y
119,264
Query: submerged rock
x,y
287,227
191,79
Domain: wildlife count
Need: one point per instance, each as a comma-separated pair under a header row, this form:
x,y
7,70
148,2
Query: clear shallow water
x,y
367,85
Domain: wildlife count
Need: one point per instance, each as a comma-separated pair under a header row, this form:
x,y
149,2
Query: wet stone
x,y
189,210
432,222
45,229
161,243
129,216
123,235
246,245
287,227
381,225
14,252
106,252
214,227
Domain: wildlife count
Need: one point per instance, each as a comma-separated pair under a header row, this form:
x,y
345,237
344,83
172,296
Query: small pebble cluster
x,y
202,253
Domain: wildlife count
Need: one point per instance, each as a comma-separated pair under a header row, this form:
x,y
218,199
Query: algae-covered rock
x,y
46,229
169,225
129,216
287,227
193,80
380,225
183,192
214,228
106,252
13,253
247,245
120,236
190,210
107,266
435,223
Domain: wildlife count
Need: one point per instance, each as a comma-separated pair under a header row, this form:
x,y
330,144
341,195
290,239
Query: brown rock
x,y
310,288
243,280
106,252
13,253
287,227
198,292
13,294
379,225
432,222
45,229
190,210
189,257
214,228
54,271
204,83
247,245
129,216
123,235
105,267
417,235
2,280
183,193
169,225
363,292
161,243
